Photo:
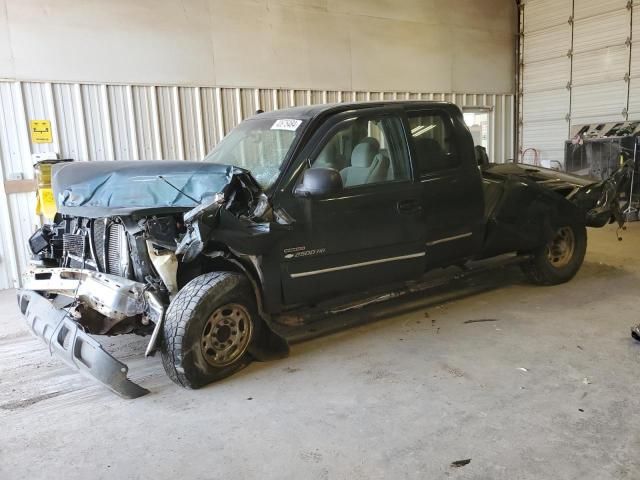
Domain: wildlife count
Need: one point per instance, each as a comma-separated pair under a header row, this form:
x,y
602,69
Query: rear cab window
x,y
431,135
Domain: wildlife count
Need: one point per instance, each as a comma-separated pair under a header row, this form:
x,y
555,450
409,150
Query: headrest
x,y
428,145
327,155
364,152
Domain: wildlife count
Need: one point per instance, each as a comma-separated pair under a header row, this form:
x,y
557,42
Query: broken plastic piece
x,y
635,332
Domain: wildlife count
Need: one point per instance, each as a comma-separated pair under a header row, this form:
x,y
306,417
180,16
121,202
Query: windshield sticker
x,y
286,124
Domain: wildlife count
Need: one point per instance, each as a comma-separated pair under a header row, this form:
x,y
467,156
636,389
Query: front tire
x,y
208,329
560,259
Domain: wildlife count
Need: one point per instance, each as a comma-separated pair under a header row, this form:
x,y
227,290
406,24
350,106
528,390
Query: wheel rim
x,y
226,335
560,249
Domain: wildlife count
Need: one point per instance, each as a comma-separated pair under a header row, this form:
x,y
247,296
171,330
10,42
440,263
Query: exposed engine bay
x,y
137,260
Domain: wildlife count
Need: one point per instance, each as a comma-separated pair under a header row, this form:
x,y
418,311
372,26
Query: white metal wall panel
x,y
268,101
542,14
232,114
8,267
122,123
300,97
22,207
249,101
545,44
98,126
599,102
146,122
546,105
547,138
591,8
15,148
190,113
634,100
170,128
604,65
71,135
213,129
634,69
635,51
317,97
547,74
601,31
14,152
129,122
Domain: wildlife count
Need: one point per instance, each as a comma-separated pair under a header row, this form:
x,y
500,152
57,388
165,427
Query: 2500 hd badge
x,y
302,252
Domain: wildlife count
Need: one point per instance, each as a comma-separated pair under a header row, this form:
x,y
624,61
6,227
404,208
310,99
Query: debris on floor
x,y
522,369
586,381
30,401
460,463
481,320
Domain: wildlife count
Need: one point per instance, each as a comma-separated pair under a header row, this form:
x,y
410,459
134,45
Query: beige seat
x,y
330,157
362,163
379,169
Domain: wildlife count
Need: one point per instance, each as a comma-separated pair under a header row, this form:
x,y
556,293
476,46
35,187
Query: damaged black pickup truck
x,y
293,209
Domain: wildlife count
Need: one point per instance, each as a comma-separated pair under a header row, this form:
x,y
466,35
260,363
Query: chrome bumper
x,y
114,297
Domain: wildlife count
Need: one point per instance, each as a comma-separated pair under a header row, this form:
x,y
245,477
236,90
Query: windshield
x,y
259,145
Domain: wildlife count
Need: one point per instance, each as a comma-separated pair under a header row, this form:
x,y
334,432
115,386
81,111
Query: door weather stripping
x,y
449,239
356,265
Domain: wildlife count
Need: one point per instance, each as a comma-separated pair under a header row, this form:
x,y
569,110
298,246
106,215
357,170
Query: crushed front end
x,y
109,262
91,277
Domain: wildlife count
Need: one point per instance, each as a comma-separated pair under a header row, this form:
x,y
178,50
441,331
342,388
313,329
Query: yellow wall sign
x,y
41,131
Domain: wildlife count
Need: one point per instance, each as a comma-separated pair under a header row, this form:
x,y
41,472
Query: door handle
x,y
409,207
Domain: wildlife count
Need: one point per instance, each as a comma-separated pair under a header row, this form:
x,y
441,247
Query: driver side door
x,y
371,233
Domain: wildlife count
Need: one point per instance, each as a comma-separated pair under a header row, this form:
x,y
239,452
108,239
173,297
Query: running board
x,y
442,286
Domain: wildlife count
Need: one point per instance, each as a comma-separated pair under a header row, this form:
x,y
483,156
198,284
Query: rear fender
x,y
526,216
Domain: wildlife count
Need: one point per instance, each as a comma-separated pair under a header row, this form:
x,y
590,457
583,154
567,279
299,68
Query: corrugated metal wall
x,y
578,66
132,122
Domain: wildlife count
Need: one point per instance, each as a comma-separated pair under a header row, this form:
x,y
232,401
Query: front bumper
x,y
76,348
114,297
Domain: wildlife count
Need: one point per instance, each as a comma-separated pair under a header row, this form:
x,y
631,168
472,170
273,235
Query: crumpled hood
x,y
94,189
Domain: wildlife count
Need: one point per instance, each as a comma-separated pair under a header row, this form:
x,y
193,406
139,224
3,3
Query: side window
x,y
367,150
432,141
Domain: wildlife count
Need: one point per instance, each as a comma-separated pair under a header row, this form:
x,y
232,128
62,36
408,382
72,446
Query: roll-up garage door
x,y
546,76
578,64
634,82
601,43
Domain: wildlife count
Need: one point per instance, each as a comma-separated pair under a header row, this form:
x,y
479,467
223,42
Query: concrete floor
x,y
547,389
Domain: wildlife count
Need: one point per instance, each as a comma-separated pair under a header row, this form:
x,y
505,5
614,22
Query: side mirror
x,y
319,182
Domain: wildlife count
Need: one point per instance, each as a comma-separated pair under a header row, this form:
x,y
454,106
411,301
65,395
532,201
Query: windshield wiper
x,y
176,188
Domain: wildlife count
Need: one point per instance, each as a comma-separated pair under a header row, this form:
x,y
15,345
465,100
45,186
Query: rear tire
x,y
208,329
560,259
